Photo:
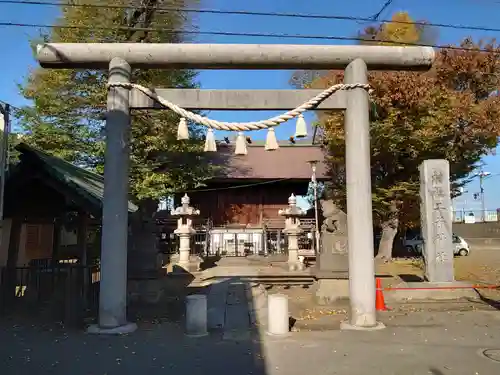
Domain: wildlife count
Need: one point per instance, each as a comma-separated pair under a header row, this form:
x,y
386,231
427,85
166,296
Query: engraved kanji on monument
x,y
436,223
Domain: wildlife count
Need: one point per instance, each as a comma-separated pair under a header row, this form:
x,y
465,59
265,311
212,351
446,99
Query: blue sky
x,y
17,58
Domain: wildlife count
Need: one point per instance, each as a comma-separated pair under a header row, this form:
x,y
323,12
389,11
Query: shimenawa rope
x,y
271,142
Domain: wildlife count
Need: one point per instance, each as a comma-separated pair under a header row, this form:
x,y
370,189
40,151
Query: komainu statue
x,y
333,229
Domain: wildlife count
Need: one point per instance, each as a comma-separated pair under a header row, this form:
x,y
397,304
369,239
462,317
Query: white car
x,y
413,244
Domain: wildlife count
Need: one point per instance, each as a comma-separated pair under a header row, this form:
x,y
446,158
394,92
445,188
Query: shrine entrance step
x,y
269,280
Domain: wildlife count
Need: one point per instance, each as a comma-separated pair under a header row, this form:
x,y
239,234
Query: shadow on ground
x,y
209,262
159,346
492,302
411,278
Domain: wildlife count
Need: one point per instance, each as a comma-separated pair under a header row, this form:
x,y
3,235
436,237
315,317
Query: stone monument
x,y
185,214
332,263
144,259
437,233
292,231
436,223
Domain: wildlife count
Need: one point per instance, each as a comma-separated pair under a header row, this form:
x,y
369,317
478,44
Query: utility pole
x,y
141,17
482,175
4,144
313,164
481,191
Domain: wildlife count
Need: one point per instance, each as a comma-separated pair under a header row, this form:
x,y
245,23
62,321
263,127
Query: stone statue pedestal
x,y
332,273
329,291
332,263
333,258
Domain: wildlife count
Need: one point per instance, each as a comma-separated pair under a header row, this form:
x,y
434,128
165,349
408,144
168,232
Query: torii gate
x,y
120,57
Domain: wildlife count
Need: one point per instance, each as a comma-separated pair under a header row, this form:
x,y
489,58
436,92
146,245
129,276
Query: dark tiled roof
x,y
289,161
88,184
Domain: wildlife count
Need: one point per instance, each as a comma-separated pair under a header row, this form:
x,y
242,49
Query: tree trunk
x,y
389,231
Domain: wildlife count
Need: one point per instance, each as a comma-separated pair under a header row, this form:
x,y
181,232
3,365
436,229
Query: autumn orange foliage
x,y
450,112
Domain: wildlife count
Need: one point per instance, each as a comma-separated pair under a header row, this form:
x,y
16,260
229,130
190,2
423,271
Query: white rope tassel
x,y
182,130
210,145
241,145
300,127
271,141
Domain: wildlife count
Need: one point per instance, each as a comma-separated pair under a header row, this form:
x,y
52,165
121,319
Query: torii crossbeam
x,y
119,58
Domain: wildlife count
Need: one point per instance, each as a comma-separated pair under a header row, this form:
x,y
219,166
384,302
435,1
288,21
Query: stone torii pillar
x,y
184,230
292,229
355,59
113,284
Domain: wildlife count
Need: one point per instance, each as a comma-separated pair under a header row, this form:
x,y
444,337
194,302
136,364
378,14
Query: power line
x,y
252,13
235,186
10,105
384,7
229,33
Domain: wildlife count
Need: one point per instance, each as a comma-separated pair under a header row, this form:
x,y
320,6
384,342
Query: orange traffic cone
x,y
379,296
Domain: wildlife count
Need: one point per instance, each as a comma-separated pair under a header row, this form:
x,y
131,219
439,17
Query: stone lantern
x,y
185,214
292,230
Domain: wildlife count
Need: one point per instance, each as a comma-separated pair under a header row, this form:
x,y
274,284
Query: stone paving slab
x,y
237,324
231,309
251,271
216,304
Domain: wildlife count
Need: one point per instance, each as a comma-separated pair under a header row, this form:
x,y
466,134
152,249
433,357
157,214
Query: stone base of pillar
x,y
347,326
295,266
329,291
329,262
121,330
293,257
191,265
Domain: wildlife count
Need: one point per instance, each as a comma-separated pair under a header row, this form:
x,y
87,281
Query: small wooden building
x,y
250,189
47,198
239,206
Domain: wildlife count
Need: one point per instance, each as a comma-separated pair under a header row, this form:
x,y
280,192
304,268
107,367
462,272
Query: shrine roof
x,y
87,184
289,161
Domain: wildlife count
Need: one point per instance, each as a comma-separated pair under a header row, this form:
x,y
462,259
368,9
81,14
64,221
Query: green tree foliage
x,y
68,106
446,113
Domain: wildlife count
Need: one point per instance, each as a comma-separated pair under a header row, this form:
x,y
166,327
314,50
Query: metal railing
x,y
277,242
169,243
270,241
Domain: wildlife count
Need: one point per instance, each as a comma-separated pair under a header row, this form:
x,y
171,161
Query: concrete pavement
x,y
418,344
414,343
